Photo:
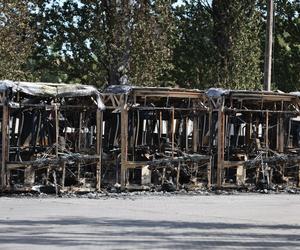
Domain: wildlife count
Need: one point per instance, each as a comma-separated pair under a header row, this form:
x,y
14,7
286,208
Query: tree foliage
x,y
194,51
218,44
237,38
104,41
197,43
286,66
16,39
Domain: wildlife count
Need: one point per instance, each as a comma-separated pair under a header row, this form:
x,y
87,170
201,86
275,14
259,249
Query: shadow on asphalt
x,y
146,234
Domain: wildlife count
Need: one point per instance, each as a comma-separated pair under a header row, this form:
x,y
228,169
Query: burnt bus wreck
x,y
154,136
50,136
256,139
76,138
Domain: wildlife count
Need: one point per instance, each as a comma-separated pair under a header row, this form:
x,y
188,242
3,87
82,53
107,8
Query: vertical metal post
x,y
160,130
56,129
79,131
5,144
209,173
99,127
298,175
187,134
124,141
280,134
173,131
221,145
267,130
63,177
195,140
195,133
268,46
78,171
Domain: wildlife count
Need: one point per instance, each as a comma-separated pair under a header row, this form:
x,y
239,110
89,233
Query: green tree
x,y
194,52
107,41
237,38
151,50
16,39
218,44
286,66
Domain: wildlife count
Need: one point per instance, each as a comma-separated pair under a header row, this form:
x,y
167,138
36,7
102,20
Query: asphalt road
x,y
245,221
